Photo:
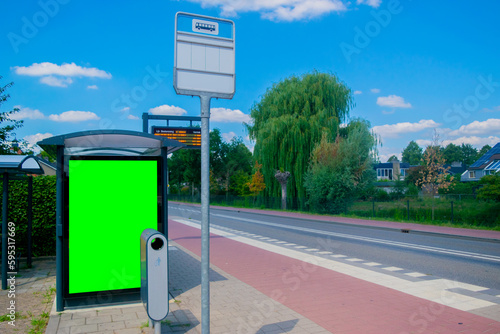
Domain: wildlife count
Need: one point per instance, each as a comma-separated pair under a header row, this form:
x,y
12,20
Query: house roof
x,y
389,165
487,157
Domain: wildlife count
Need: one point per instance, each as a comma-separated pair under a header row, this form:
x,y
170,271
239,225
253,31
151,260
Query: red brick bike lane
x,y
337,302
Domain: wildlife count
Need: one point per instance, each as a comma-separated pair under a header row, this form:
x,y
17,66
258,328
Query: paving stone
x,y
98,320
111,326
71,323
83,329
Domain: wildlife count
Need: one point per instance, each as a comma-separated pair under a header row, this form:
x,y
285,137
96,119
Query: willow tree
x,y
289,121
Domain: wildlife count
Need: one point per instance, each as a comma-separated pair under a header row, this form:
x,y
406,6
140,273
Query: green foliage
x,y
290,120
452,153
483,150
44,214
412,154
393,158
6,116
491,187
226,160
341,170
461,188
239,183
469,154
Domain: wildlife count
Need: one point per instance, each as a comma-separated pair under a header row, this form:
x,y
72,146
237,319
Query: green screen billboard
x,y
110,203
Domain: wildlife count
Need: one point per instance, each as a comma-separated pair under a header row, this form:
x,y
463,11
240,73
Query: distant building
x,y
456,168
391,171
488,164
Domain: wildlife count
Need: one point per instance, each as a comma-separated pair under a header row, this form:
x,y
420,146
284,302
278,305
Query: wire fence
x,y
458,209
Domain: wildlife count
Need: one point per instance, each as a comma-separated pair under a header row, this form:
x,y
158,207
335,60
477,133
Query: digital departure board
x,y
189,136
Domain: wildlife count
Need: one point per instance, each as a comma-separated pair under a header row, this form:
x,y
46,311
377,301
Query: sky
x,y
414,67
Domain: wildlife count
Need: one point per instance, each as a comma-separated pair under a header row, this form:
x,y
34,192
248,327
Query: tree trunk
x,y
283,196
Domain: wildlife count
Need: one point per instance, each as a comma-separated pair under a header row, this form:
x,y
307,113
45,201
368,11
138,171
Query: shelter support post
x,y
59,229
30,219
164,196
5,202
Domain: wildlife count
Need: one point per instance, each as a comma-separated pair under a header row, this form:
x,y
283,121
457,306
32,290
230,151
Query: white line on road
x,y
372,240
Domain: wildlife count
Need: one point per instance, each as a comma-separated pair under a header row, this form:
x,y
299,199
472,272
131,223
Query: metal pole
x,y
205,211
164,196
145,120
59,229
157,326
452,212
30,217
5,201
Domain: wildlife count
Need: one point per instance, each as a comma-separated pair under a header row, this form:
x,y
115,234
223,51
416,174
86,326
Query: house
x,y
390,171
456,168
488,164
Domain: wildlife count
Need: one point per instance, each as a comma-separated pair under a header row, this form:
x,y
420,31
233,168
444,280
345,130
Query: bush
x,y
44,214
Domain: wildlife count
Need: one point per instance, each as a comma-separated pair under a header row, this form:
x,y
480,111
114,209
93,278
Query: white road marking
x,y
372,264
437,290
416,274
392,268
372,240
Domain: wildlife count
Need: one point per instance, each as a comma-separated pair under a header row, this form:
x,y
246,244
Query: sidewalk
x,y
274,289
410,227
235,307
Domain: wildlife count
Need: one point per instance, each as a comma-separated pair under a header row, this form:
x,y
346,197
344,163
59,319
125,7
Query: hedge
x,y
44,214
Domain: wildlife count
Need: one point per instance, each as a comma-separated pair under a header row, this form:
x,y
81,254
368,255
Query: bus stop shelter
x,y
111,185
14,167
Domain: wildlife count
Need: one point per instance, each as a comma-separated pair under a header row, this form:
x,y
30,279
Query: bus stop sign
x,y
204,56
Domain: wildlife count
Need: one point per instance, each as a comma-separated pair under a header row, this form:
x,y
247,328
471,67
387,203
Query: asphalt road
x,y
469,261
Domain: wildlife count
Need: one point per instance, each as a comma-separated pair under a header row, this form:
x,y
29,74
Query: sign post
x,y
204,66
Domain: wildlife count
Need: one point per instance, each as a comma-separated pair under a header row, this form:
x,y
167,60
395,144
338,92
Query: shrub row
x,y
44,214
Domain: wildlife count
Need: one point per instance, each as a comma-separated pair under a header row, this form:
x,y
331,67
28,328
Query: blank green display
x,y
110,203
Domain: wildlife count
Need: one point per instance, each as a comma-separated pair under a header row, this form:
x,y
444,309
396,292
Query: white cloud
x,y
224,115
371,3
228,136
492,125
277,10
393,101
168,110
394,130
475,141
74,116
33,139
357,92
66,70
133,117
56,82
375,90
60,75
92,87
125,109
494,109
27,113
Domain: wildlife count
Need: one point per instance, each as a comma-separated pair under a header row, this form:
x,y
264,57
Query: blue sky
x,y
413,66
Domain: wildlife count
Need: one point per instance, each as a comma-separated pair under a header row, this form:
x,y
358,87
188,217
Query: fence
x,y
456,209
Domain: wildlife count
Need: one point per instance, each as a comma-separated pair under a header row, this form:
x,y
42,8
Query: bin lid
x,y
110,142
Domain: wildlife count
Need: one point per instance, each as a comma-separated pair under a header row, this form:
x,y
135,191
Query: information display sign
x,y
204,56
189,136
